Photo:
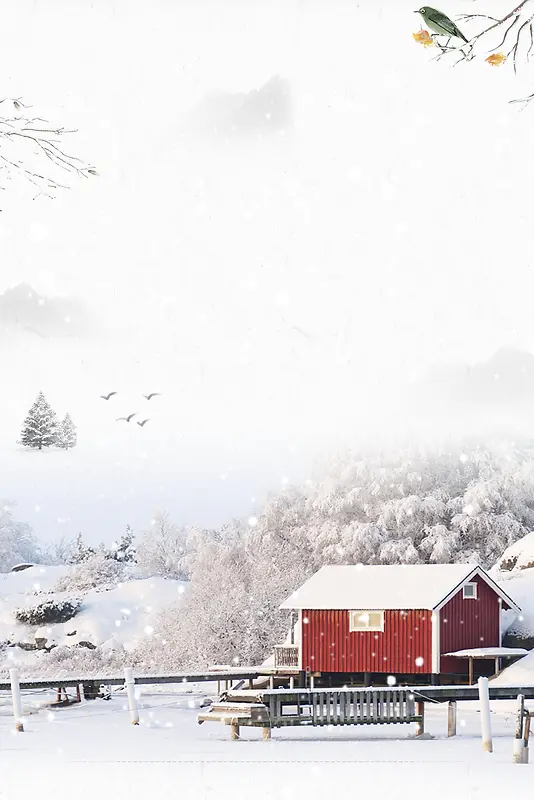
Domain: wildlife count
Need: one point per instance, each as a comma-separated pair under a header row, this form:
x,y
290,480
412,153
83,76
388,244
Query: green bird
x,y
440,23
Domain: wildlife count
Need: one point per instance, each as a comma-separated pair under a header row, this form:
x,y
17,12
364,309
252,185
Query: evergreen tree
x,y
124,549
81,551
66,433
40,426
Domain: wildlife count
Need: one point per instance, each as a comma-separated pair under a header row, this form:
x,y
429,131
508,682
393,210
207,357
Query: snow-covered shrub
x,y
49,612
96,571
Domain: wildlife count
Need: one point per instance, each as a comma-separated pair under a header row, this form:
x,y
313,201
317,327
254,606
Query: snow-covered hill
x,y
113,621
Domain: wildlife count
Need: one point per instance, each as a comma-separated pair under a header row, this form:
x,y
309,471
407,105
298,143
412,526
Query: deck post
x,y
451,718
250,683
485,719
292,682
235,732
17,702
470,671
271,681
265,733
132,699
311,682
519,740
420,711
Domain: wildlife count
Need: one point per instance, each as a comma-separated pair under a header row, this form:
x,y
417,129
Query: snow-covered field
x,y
93,751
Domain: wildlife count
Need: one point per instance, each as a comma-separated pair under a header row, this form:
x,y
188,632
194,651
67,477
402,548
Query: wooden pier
x,y
279,708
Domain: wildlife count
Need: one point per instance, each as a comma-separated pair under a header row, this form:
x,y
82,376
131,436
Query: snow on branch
x,y
32,149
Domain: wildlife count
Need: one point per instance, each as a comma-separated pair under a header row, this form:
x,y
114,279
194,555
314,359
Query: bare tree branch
x,y
28,144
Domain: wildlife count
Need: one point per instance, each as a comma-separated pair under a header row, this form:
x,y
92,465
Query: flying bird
x,y
440,23
126,419
144,422
151,395
107,396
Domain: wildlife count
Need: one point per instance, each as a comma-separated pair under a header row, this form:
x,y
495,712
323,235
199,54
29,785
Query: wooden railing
x,y
286,655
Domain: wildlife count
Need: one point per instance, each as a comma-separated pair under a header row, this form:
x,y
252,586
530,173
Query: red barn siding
x,y
329,646
468,624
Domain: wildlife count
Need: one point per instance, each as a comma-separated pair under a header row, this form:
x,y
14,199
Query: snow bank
x,y
519,674
117,619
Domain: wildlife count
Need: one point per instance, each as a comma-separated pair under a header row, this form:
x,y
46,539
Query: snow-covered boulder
x,y
518,556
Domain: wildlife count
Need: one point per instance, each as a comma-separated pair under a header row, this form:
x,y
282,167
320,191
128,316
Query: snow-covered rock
x,y
518,556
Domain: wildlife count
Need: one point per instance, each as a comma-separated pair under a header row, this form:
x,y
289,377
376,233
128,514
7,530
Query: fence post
x,y
519,742
485,719
451,718
132,700
81,693
17,702
526,734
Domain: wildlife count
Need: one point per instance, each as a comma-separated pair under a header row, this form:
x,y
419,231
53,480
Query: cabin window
x,y
470,591
366,620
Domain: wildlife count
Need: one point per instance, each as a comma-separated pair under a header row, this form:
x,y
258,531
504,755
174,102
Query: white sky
x,y
391,223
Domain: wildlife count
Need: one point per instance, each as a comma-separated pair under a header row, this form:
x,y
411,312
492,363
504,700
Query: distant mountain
x,y
22,308
258,112
506,380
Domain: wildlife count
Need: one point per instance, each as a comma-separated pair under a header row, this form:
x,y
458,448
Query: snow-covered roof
x,y
398,586
489,652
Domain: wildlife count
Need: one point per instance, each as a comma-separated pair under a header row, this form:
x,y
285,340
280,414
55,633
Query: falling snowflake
x,y
391,680
419,661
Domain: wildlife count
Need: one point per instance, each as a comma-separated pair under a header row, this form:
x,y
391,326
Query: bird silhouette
x,y
107,396
151,395
144,422
126,419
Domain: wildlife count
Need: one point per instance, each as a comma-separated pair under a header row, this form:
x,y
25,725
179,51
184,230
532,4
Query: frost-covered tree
x,y
66,436
40,426
124,549
59,552
17,542
162,549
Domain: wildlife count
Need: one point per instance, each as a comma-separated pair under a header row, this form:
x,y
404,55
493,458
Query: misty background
x,y
306,234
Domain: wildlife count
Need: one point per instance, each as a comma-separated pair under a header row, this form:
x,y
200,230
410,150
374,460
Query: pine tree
x,y
124,550
40,426
66,433
81,551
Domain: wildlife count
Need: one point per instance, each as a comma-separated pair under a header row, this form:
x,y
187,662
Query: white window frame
x,y
473,596
354,627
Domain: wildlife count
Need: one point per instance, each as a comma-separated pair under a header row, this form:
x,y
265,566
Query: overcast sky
x,y
277,257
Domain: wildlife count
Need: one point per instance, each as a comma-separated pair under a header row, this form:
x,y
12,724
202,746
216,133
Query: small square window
x,y
366,621
470,591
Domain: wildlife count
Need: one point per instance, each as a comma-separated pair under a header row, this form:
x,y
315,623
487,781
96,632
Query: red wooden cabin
x,y
400,620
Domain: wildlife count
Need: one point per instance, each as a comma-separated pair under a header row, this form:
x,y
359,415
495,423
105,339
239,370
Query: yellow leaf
x,y
423,37
496,59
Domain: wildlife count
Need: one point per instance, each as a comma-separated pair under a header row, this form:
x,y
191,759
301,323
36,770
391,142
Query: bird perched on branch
x,y
151,395
107,396
440,23
126,419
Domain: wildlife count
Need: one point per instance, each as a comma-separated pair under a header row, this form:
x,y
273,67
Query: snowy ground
x,y
94,752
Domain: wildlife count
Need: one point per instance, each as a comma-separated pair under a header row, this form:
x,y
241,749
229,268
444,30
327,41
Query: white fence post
x,y
17,702
81,693
132,700
485,719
